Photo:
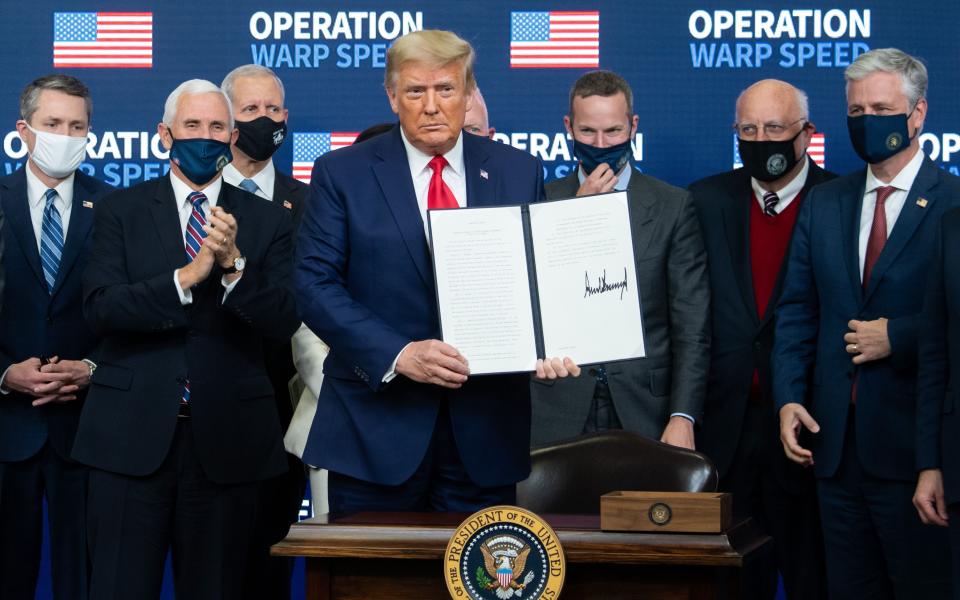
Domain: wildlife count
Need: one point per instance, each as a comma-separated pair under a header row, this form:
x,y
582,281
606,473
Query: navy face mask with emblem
x,y
876,138
261,137
768,160
591,157
200,159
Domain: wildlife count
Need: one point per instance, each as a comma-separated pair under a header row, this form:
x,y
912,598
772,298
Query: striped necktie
x,y
195,233
51,240
770,200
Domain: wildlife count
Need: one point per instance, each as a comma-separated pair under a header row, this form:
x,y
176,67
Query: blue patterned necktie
x,y
193,237
51,240
249,185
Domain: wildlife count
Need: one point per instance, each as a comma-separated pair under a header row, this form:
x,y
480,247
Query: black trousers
x,y
791,517
133,521
23,486
876,545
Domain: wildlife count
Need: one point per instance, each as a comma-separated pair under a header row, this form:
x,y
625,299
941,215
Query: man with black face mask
x,y
845,352
187,279
660,396
747,217
257,96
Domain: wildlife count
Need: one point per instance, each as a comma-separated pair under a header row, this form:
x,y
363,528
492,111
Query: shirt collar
x,y
903,180
789,191
623,179
182,190
36,189
419,160
264,178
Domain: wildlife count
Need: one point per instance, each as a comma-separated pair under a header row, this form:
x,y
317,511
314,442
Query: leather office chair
x,y
570,476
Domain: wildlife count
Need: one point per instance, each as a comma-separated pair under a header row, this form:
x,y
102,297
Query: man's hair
x,y
434,48
601,83
800,97
192,87
912,72
30,97
250,71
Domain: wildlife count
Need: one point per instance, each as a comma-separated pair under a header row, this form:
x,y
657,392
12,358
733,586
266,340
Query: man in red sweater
x,y
747,217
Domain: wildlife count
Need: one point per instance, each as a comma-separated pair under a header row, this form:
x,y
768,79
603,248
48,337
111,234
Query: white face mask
x,y
58,155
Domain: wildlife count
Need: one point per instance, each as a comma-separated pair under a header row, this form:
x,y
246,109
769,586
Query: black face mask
x,y
768,160
876,138
261,137
592,157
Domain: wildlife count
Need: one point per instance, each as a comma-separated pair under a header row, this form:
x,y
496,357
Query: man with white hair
x,y
845,351
187,279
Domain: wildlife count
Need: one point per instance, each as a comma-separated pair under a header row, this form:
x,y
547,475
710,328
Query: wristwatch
x,y
90,365
239,264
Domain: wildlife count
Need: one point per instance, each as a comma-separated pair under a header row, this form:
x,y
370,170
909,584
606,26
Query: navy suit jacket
x,y
938,425
822,292
742,340
365,286
152,343
36,323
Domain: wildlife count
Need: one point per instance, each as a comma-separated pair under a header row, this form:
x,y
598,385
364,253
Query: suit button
x,y
592,372
758,345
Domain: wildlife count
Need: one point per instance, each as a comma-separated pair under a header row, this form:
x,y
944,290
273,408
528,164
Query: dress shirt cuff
x,y
228,286
186,296
684,415
393,367
3,389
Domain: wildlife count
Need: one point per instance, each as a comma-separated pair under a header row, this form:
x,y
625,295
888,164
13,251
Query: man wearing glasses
x,y
747,218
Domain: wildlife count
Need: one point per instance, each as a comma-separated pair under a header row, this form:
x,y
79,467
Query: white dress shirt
x,y
454,174
264,179
184,208
36,197
893,205
788,193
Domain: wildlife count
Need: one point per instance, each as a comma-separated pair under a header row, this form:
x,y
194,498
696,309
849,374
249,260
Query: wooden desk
x,y
375,556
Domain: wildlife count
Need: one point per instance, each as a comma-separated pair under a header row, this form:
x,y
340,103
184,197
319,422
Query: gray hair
x,y
913,74
30,97
192,87
250,71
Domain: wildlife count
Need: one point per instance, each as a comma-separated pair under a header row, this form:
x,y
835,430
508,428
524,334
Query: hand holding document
x,y
515,283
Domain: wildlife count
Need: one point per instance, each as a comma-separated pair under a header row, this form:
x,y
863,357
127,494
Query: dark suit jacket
x,y
36,323
822,292
742,340
152,343
938,425
365,285
675,297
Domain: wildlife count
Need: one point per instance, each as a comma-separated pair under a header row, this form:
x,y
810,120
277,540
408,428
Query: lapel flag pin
x,y
287,205
484,174
87,204
922,202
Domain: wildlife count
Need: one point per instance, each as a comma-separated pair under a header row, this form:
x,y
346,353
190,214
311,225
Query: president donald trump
x,y
400,424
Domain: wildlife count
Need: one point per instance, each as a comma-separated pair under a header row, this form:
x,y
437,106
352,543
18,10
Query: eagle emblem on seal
x,y
505,558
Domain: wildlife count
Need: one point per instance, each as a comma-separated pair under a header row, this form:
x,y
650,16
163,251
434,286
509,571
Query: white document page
x,y
586,278
483,287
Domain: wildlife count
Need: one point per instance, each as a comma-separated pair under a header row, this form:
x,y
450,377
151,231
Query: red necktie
x,y
439,194
878,233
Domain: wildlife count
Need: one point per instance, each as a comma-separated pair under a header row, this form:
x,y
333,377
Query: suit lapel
x,y
393,175
911,215
16,207
81,222
481,183
163,209
850,206
644,210
736,220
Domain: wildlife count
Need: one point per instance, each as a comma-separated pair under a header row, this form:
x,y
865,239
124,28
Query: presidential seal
x,y
894,140
660,514
504,552
776,164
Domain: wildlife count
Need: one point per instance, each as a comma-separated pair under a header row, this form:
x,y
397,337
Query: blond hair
x,y
434,48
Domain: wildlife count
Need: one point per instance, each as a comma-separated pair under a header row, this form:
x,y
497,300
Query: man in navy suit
x,y
398,423
845,351
44,341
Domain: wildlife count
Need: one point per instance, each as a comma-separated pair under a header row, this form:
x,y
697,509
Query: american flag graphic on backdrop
x,y
103,39
308,146
555,39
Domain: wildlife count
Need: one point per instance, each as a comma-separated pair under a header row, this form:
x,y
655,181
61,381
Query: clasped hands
x,y
218,247
52,381
439,363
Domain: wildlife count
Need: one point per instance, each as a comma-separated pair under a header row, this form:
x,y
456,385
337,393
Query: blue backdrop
x,y
687,62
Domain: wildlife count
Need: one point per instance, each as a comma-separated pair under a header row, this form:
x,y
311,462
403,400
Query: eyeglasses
x,y
771,130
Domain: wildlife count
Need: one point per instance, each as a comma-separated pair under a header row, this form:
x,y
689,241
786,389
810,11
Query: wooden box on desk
x,y
678,512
